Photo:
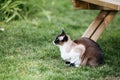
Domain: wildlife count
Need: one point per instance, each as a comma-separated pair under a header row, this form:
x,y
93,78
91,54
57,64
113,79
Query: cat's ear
x,y
63,32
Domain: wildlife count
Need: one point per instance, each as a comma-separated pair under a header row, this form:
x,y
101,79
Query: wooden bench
x,y
109,9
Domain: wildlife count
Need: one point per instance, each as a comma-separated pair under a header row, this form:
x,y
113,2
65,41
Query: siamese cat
x,y
81,52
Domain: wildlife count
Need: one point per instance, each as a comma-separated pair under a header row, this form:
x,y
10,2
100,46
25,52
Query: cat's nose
x,y
56,41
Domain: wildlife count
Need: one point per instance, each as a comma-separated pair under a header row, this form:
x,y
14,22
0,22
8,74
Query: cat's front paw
x,y
72,64
67,63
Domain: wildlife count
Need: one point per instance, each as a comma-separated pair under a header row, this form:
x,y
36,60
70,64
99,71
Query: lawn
x,y
27,51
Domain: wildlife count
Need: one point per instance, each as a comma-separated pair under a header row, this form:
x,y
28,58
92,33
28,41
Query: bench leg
x,y
99,24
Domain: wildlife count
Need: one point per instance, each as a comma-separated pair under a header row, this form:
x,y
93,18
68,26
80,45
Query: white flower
x,y
2,29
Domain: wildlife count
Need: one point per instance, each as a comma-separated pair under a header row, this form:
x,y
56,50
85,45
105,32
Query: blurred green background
x,y
27,29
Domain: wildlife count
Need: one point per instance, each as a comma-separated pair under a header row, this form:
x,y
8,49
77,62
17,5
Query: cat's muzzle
x,y
56,42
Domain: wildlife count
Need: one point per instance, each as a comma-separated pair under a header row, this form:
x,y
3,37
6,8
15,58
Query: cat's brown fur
x,y
93,55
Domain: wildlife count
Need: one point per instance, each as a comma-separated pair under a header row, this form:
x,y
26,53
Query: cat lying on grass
x,y
82,52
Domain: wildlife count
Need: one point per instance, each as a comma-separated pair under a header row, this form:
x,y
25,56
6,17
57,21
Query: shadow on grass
x,y
111,49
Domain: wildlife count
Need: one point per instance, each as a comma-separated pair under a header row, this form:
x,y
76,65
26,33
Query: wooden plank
x,y
95,24
84,5
113,4
99,24
103,25
79,4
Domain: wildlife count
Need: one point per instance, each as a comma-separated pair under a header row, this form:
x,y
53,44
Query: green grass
x,y
27,51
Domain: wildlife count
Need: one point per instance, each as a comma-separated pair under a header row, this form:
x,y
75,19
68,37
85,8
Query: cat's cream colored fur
x,y
72,52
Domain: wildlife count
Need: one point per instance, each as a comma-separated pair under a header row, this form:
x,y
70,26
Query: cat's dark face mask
x,y
60,39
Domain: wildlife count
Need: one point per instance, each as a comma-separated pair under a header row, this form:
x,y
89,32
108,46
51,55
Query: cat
x,y
81,52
